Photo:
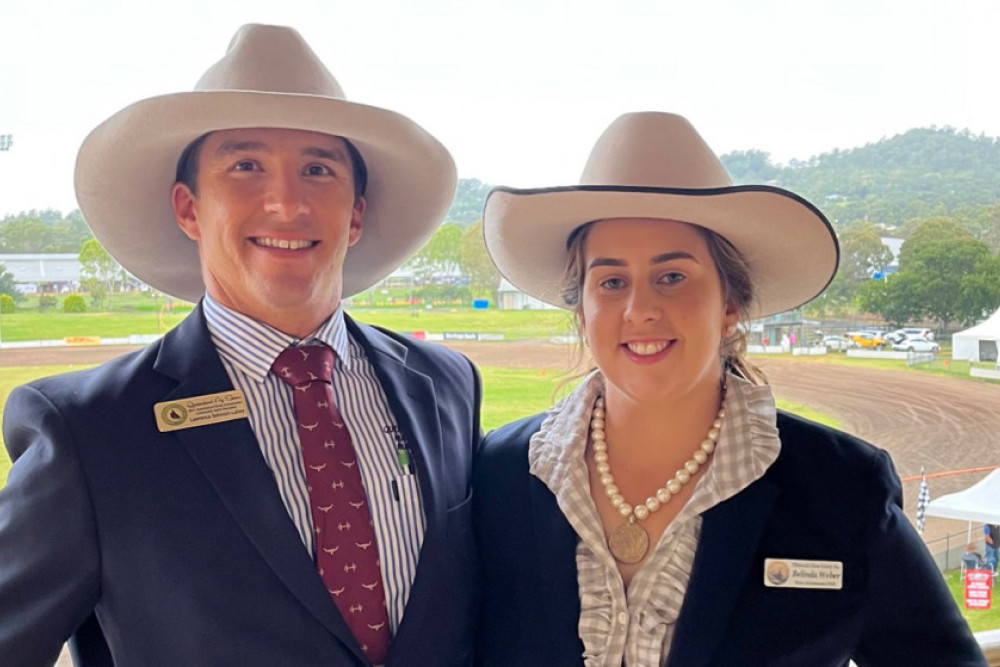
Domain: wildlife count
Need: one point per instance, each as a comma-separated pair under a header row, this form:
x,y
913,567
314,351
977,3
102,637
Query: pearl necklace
x,y
630,541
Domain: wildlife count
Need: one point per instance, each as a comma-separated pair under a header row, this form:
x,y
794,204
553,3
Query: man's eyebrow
x,y
334,154
239,146
668,256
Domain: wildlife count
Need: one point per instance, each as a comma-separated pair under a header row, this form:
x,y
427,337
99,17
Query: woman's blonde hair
x,y
737,290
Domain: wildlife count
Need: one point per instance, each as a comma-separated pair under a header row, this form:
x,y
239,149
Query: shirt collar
x,y
252,346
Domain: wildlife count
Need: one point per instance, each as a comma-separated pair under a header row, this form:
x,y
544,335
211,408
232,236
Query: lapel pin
x,y
200,410
792,573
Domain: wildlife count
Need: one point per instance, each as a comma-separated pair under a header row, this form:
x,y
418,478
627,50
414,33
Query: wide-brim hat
x,y
656,165
269,78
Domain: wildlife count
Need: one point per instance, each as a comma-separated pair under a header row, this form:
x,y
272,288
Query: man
x,y
164,508
991,536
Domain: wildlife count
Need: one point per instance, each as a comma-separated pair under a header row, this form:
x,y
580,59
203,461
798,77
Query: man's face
x,y
274,216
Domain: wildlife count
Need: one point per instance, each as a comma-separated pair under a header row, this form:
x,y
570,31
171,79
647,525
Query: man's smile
x,y
283,244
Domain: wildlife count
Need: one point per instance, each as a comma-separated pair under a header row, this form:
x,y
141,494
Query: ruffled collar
x,y
748,443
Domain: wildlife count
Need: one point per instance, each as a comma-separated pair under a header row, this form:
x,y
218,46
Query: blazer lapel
x,y
413,402
730,533
229,456
555,541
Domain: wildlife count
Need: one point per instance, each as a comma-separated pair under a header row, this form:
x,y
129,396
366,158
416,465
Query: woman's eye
x,y
612,283
672,278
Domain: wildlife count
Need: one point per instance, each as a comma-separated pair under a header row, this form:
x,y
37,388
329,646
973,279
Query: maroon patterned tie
x,y
346,552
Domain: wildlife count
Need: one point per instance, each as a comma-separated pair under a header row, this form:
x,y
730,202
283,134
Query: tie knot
x,y
301,365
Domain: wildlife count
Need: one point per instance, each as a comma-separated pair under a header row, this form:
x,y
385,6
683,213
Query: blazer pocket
x,y
458,519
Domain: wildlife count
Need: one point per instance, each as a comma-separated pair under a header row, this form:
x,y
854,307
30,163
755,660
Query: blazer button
x,y
622,617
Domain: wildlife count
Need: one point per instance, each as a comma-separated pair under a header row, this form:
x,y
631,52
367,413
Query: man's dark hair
x,y
187,166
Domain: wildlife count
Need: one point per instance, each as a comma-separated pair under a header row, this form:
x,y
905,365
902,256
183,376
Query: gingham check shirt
x,y
637,630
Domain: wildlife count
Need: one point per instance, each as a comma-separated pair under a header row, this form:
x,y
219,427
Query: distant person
x,y
991,536
272,483
664,513
971,558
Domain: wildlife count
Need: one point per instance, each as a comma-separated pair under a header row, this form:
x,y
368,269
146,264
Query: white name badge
x,y
790,573
200,410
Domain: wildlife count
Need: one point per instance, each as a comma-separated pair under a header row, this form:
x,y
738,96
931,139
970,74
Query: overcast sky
x,y
519,90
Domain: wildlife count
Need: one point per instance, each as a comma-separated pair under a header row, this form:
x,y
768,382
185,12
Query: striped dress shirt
x,y
247,349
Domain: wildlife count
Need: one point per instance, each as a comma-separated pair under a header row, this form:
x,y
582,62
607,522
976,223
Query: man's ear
x,y
357,220
184,203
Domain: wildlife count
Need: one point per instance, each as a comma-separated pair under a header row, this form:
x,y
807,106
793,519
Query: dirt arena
x,y
939,423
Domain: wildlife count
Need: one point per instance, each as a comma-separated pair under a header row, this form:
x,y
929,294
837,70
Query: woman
x,y
664,513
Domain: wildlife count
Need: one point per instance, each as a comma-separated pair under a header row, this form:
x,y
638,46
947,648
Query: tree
x,y
26,235
892,299
98,271
950,280
441,255
476,264
862,255
926,233
7,283
470,197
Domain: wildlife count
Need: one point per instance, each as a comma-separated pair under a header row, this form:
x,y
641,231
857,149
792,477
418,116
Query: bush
x,y
74,303
47,302
7,304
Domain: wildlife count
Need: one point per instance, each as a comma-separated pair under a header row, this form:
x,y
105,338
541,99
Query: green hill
x,y
921,173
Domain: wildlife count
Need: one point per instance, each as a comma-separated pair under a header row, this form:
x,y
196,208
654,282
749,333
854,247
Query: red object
x,y
420,335
978,589
346,551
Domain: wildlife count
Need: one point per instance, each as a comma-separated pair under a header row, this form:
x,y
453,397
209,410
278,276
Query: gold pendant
x,y
629,542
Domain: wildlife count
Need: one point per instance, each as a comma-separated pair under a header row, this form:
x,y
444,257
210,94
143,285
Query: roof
x,y
979,502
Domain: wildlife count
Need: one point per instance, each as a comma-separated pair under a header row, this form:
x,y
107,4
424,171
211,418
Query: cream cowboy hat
x,y
655,165
268,78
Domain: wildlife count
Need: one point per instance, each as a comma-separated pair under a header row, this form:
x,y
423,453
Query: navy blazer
x,y
180,541
828,496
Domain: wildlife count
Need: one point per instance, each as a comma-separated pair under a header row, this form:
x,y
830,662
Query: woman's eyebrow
x,y
668,256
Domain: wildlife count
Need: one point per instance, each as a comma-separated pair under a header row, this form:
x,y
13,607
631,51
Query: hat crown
x,y
272,59
654,149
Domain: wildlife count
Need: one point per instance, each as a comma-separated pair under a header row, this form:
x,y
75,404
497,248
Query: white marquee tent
x,y
978,343
980,502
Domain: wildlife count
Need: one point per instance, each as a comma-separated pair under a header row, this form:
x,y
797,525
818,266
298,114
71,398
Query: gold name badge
x,y
200,410
791,573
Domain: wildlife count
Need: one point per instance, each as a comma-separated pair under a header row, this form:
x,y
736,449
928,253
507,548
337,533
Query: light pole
x,y
6,141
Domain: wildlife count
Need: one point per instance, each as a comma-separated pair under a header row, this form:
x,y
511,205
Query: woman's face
x,y
652,308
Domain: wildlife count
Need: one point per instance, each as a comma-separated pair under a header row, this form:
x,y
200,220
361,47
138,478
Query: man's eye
x,y
245,165
317,170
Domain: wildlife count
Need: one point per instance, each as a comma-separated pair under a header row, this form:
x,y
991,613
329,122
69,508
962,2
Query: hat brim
x,y
127,166
789,244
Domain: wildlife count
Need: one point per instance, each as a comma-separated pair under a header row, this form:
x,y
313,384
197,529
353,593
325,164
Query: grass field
x,y
150,317
978,619
508,394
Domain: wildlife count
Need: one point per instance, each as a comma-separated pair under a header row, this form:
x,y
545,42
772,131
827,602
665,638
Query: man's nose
x,y
284,197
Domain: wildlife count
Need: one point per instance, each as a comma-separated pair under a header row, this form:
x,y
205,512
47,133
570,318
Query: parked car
x,y
867,339
916,345
915,332
836,343
896,337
